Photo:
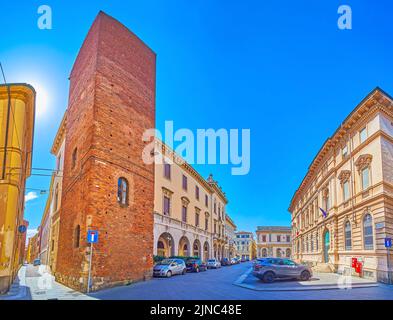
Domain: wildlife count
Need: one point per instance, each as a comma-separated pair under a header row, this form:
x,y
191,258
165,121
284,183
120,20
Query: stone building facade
x,y
274,241
106,184
343,208
17,112
189,211
245,245
230,236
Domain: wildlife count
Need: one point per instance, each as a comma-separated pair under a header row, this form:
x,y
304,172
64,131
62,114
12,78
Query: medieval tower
x,y
106,185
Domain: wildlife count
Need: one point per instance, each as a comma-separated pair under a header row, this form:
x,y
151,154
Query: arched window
x,y
264,252
348,236
278,253
77,236
122,191
368,238
288,253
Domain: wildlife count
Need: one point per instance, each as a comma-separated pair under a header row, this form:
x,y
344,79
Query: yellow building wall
x,y
16,135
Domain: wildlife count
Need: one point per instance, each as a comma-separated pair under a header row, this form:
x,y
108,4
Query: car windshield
x,y
192,260
211,260
165,262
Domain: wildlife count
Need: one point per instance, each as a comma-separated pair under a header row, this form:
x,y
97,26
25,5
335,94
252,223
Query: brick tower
x,y
111,103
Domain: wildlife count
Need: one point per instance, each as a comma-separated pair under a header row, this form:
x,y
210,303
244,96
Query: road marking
x,y
242,277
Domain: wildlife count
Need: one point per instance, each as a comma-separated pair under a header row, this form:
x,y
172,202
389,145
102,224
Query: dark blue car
x,y
195,265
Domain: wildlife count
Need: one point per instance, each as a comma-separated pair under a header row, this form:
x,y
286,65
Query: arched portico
x,y
196,249
184,247
206,251
165,245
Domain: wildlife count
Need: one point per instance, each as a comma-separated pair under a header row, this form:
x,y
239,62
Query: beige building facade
x,y
274,241
189,211
230,237
245,245
343,209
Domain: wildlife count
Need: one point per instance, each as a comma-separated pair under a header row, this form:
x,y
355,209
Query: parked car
x,y
169,267
234,261
270,269
225,262
37,262
195,265
243,259
213,263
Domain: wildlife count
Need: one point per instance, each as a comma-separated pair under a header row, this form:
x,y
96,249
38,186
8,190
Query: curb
x,y
239,283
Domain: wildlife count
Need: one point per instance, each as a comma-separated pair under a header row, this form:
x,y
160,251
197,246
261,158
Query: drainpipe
x,y
3,174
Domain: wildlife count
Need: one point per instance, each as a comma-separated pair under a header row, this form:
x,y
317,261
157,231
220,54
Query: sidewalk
x,y
18,290
320,281
41,285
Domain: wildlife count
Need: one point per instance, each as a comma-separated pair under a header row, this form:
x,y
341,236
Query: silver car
x,y
169,267
269,269
213,263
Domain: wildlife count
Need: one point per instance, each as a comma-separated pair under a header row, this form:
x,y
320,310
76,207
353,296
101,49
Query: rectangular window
x,y
184,214
365,178
346,190
167,205
197,219
278,238
363,135
263,238
206,224
288,238
197,192
58,162
215,227
167,171
184,182
345,151
206,200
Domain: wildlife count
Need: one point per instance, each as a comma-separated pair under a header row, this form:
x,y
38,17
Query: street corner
x,y
319,281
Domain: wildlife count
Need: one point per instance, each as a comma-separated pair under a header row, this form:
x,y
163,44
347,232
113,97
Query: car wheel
x,y
197,270
184,272
305,276
169,274
268,277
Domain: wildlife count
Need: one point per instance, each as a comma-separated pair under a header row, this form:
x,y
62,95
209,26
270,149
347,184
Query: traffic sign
x,y
22,228
388,242
92,236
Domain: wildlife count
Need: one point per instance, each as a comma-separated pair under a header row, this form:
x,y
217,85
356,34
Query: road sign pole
x,y
388,265
90,261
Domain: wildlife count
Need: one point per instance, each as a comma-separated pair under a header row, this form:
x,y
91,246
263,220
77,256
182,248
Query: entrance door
x,y
326,247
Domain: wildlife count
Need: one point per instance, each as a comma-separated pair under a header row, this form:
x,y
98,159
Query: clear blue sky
x,y
281,68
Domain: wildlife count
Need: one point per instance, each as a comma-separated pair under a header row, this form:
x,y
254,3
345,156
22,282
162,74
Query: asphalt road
x,y
218,285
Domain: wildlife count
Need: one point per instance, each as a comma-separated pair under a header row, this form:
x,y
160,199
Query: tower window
x,y
122,191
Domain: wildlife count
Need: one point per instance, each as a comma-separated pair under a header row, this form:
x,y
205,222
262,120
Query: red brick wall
x,y
111,103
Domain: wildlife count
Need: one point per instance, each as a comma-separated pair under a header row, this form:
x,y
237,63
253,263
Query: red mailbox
x,y
354,262
358,267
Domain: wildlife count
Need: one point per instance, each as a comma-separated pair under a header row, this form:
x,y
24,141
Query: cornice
x,y
210,187
60,135
376,101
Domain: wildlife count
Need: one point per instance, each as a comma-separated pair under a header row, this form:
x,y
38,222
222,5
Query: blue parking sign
x,y
388,242
92,236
